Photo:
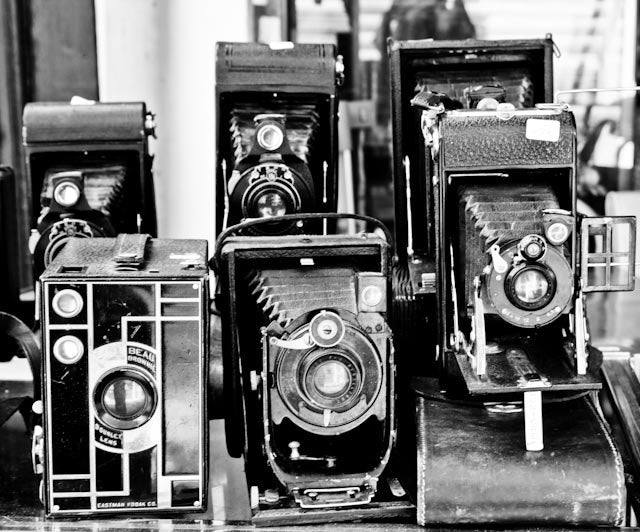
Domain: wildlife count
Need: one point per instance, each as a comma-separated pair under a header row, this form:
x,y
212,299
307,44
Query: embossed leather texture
x,y
473,467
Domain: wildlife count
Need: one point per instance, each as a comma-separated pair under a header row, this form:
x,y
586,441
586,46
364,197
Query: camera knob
x,y
339,70
36,407
150,125
255,380
295,453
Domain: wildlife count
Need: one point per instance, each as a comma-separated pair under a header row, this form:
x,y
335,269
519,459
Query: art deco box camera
x,y
124,342
276,132
89,173
309,367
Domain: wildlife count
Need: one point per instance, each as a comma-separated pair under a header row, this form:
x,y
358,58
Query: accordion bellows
x,y
103,187
301,124
285,294
497,214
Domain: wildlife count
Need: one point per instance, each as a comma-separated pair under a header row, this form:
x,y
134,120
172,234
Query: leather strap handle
x,y
130,250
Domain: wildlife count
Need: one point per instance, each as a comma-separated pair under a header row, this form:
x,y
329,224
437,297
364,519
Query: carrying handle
x,y
215,260
130,251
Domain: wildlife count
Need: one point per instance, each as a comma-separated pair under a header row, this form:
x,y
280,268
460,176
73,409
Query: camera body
x,y
309,367
125,350
451,75
513,257
519,72
89,173
276,132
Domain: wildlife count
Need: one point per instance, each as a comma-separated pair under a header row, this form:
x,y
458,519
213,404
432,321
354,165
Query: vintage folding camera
x,y
309,371
513,257
89,171
459,75
276,132
125,354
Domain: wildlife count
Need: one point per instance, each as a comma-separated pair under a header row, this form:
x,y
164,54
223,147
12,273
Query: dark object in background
x,y
309,372
415,20
125,359
522,67
276,132
9,272
89,171
17,340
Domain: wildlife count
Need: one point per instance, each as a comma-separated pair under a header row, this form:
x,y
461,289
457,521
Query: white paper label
x,y
533,435
545,130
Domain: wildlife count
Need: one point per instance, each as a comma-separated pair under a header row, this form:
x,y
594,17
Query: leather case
x,y
473,467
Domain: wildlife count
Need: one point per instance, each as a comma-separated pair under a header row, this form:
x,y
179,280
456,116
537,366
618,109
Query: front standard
x,y
124,365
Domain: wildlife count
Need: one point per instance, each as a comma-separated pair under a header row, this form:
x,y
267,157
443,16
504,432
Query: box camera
x,y
309,368
124,342
513,257
89,172
276,132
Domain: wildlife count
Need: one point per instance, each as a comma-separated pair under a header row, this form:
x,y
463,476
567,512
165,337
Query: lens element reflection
x,y
332,379
125,398
271,204
531,286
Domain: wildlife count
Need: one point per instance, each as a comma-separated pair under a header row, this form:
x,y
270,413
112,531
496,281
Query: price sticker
x,y
544,130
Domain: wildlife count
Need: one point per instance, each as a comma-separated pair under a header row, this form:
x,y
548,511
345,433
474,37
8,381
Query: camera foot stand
x,y
479,337
581,336
390,503
533,432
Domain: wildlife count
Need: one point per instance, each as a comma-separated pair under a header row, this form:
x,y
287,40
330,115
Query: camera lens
x,y
67,303
271,204
331,378
124,398
68,349
270,137
67,194
530,286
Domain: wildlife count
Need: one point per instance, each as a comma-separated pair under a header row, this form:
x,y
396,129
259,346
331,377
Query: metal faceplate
x,y
125,426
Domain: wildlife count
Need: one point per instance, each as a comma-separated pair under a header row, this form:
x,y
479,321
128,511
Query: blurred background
x,y
162,52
